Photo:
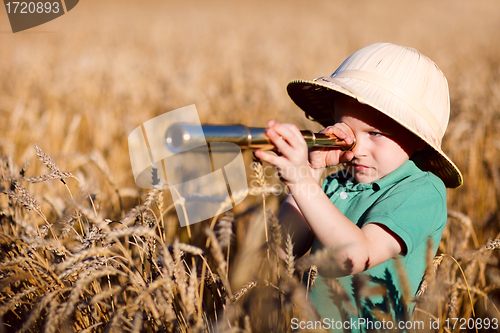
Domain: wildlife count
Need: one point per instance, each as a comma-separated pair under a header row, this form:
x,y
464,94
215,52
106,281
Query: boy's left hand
x,y
292,159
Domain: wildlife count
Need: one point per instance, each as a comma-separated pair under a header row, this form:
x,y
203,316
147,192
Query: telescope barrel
x,y
182,136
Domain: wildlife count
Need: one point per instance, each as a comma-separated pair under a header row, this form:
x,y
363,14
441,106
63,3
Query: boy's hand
x,y
292,159
320,158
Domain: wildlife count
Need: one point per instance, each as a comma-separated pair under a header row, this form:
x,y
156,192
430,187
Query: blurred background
x,y
77,86
85,80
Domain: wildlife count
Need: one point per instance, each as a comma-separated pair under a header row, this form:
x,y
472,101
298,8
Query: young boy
x,y
382,212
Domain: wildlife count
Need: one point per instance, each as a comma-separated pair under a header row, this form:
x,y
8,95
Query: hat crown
x,y
406,71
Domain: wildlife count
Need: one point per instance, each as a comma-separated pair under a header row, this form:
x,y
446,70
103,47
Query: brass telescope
x,y
181,137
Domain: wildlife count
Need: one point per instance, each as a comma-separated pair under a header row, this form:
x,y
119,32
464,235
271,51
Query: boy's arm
x,y
357,249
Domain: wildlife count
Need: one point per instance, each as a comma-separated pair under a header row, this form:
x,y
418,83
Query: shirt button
x,y
343,195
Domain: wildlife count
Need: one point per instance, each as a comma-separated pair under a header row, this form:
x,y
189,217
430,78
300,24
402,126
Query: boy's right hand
x,y
320,158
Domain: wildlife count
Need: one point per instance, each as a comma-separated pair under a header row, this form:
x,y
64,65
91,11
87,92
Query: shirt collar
x,y
405,170
352,186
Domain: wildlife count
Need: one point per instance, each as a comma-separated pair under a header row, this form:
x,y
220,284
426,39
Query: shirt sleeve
x,y
414,211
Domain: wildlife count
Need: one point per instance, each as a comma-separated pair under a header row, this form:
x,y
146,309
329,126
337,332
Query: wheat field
x,y
84,249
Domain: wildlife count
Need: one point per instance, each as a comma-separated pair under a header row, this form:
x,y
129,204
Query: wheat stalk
x,y
192,293
40,305
259,172
453,302
219,258
467,222
290,258
12,263
225,232
403,281
240,293
216,251
275,229
495,244
132,231
137,323
338,291
313,274
248,326
81,283
22,196
255,191
179,271
323,260
59,175
168,262
105,294
49,163
437,260
81,256
99,161
12,302
47,244
53,316
164,300
190,249
92,328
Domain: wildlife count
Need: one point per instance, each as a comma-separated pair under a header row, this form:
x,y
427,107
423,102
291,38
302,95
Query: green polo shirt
x,y
412,204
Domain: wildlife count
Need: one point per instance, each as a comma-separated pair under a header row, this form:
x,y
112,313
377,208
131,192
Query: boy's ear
x,y
419,144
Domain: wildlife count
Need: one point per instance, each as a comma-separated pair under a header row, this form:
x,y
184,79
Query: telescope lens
x,y
175,138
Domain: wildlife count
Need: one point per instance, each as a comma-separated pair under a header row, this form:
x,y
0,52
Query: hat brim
x,y
315,98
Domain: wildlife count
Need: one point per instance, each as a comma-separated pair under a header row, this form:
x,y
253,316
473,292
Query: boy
x,y
382,211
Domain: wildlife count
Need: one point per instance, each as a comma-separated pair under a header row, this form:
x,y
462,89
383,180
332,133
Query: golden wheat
x,y
62,91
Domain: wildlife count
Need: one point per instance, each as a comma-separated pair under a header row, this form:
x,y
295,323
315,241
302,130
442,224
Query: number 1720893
x,y
32,7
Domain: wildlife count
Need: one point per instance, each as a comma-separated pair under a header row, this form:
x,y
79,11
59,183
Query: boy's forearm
x,y
317,173
330,226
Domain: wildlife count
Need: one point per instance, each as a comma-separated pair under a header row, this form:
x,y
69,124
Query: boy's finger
x,y
268,157
279,141
296,132
327,130
290,133
343,132
346,157
340,130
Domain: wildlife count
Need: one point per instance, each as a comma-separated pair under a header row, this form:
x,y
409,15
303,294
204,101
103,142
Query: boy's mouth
x,y
359,167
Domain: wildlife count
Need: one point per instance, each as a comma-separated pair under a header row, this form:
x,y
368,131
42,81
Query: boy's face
x,y
382,145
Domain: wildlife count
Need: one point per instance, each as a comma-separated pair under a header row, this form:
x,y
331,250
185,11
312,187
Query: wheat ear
x,y
290,258
261,181
179,271
225,234
192,293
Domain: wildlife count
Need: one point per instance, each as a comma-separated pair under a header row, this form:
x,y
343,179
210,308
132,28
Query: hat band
x,y
395,90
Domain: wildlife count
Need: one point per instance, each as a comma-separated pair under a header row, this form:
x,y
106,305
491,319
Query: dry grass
x,y
82,248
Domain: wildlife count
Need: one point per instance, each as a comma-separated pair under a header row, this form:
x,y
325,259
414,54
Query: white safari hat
x,y
398,81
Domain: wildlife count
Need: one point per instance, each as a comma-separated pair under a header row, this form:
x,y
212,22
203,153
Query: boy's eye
x,y
375,133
